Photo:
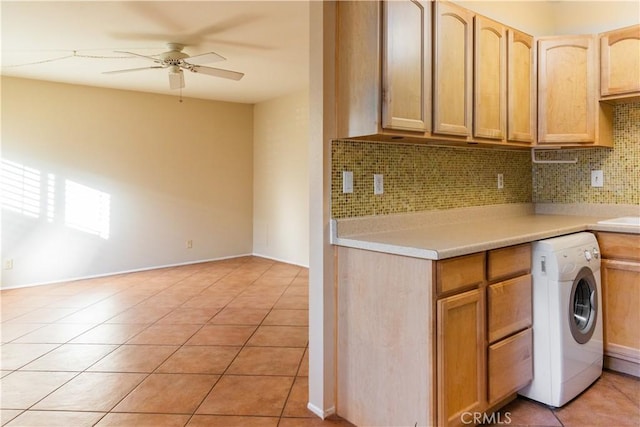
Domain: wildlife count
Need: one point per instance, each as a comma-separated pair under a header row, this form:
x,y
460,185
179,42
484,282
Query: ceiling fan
x,y
175,60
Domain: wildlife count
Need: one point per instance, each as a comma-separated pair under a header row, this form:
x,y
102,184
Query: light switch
x,y
597,178
347,181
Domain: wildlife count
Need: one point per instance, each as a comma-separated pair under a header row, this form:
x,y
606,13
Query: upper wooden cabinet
x,y
484,74
453,61
568,108
426,71
521,87
406,65
490,80
383,78
620,62
358,76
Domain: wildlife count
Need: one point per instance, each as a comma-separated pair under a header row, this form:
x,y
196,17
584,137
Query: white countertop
x,y
445,240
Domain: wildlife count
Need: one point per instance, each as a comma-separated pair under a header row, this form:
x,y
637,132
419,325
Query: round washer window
x,y
582,309
583,306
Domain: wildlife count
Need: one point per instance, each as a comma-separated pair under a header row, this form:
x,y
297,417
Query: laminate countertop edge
x,y
443,241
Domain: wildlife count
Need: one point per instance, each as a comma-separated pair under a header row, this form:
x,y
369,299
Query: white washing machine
x,y
567,318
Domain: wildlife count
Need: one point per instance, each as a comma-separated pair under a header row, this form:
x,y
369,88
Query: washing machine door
x,y
583,306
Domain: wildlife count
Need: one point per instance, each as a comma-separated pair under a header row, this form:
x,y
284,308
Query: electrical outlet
x,y
8,264
597,178
347,181
378,184
189,244
500,181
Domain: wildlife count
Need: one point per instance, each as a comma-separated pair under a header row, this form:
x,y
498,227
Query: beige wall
x,y
173,171
280,180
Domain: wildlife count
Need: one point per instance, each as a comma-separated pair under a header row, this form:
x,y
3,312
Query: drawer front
x,y
510,365
509,262
619,246
459,273
509,307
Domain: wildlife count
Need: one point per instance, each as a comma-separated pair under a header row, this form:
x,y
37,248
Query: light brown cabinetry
x,y
461,356
620,62
421,341
384,339
521,87
406,65
510,365
484,74
484,337
358,74
453,69
490,80
383,79
620,270
568,107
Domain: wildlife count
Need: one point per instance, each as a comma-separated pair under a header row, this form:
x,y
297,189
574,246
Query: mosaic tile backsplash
x,y
419,178
571,183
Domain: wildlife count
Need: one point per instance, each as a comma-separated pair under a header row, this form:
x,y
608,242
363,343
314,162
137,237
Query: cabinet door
x,y
358,74
490,82
521,87
460,356
620,296
406,66
620,61
567,90
453,38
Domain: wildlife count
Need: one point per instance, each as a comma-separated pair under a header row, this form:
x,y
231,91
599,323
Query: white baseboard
x,y
279,260
320,412
135,270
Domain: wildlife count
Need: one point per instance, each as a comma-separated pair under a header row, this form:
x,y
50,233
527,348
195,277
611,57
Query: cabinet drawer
x,y
619,246
459,273
509,307
509,262
510,365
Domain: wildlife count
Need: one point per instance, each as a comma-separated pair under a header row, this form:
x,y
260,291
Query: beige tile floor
x,y
213,344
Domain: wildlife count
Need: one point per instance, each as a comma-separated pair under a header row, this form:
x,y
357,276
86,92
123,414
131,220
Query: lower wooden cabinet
x,y
620,297
484,338
509,307
510,365
461,356
422,342
620,273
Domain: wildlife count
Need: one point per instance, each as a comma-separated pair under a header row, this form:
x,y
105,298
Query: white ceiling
x,y
266,40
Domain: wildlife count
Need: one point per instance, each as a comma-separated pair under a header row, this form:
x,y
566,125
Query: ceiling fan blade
x,y
225,74
205,58
141,56
128,70
176,80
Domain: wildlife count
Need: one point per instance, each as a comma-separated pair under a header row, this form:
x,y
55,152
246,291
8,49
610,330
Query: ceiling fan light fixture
x,y
175,61
176,79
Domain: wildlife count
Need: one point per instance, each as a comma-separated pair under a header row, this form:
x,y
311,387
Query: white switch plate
x,y
378,183
597,178
500,181
347,181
